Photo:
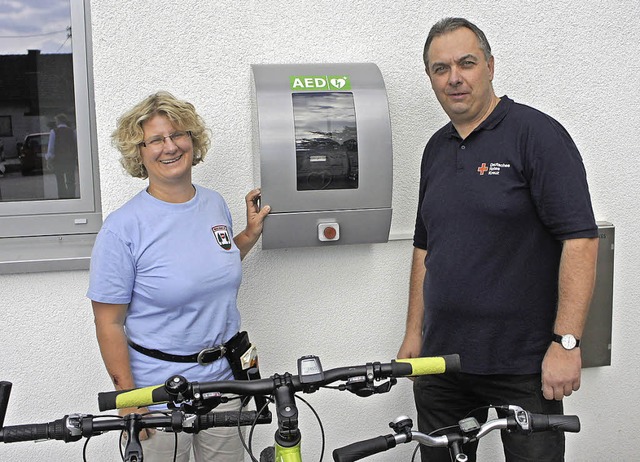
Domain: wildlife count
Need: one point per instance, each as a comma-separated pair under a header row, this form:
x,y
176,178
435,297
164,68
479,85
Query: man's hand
x,y
411,346
560,372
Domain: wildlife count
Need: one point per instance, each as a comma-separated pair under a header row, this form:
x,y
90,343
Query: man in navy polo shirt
x,y
504,256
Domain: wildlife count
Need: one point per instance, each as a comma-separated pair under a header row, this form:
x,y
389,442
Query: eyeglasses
x,y
157,142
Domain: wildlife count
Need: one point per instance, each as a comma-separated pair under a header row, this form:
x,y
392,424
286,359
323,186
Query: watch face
x,y
568,342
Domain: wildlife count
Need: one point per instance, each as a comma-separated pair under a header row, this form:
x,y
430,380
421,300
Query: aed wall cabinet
x,y
324,142
596,338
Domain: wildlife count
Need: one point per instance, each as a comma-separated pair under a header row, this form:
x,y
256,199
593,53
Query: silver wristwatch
x,y
568,341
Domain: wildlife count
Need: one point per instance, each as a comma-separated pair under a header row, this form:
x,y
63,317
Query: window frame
x,y
50,235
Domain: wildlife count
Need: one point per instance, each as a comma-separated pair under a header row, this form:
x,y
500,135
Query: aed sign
x,y
319,82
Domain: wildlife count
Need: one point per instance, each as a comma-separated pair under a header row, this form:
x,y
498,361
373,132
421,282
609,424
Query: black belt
x,y
205,356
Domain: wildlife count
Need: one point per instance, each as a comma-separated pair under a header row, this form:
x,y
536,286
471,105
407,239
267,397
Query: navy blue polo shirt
x,y
493,212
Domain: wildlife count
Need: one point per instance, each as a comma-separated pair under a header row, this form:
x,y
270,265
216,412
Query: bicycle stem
x,y
133,448
288,434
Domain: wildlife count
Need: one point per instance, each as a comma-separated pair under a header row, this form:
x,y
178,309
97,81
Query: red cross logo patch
x,y
483,168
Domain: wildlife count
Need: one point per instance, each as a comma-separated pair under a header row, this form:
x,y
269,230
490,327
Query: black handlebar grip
x,y
107,400
226,419
453,363
5,391
30,432
56,430
362,449
565,423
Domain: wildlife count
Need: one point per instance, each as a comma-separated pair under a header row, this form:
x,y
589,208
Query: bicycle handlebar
x,y
75,426
521,421
160,394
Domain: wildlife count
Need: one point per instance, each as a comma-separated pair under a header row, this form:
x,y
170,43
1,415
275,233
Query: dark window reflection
x,y
326,141
39,154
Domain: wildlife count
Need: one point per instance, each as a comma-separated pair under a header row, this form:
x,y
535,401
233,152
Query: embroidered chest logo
x,y
492,169
221,234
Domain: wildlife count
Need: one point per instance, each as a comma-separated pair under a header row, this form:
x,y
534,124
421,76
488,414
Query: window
x,y
49,189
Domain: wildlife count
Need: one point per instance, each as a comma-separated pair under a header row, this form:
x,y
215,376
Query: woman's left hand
x,y
255,213
255,220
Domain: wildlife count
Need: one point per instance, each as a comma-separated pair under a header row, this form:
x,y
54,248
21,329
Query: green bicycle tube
x,y
290,454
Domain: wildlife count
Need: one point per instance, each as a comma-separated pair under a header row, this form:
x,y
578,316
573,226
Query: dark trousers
x,y
443,400
66,181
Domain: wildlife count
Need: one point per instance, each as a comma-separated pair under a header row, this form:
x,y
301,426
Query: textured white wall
x,y
575,60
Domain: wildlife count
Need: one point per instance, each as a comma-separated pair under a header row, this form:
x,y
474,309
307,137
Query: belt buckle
x,y
209,355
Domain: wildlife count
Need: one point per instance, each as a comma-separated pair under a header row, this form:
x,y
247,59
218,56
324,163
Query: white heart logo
x,y
338,83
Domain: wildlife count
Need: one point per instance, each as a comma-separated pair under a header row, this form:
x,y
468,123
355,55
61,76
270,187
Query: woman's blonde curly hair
x,y
129,134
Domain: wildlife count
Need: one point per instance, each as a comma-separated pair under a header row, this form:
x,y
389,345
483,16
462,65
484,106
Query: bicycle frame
x,y
291,454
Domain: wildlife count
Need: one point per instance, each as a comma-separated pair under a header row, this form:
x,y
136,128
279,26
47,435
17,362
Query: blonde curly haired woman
x,y
165,270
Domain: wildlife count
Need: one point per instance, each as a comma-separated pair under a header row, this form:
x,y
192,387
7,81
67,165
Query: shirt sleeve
x,y
50,147
112,272
558,183
420,231
227,213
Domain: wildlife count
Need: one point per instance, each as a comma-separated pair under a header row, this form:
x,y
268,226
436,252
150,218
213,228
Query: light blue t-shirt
x,y
178,269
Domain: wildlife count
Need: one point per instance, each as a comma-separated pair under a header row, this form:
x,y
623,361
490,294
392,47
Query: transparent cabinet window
x,y
326,141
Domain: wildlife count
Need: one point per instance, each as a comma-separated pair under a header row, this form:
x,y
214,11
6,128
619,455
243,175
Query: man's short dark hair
x,y
62,119
447,25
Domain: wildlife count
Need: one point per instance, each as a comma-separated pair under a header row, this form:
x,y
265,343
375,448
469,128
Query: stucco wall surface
x,y
575,60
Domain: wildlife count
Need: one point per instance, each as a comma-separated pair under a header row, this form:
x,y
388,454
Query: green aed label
x,y
319,82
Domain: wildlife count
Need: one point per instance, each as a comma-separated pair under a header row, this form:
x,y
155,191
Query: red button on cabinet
x,y
328,232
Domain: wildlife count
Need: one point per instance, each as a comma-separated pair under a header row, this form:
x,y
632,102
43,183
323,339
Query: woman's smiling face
x,y
168,161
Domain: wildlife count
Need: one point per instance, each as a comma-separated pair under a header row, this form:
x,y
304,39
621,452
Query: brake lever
x,y
360,386
386,386
203,404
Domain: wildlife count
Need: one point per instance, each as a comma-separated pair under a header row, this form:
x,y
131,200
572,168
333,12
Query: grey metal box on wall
x,y
596,338
326,161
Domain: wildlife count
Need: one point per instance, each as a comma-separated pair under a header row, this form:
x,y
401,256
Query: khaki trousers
x,y
217,444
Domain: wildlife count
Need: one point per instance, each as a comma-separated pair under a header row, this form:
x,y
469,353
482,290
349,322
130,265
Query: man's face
x,y
461,76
